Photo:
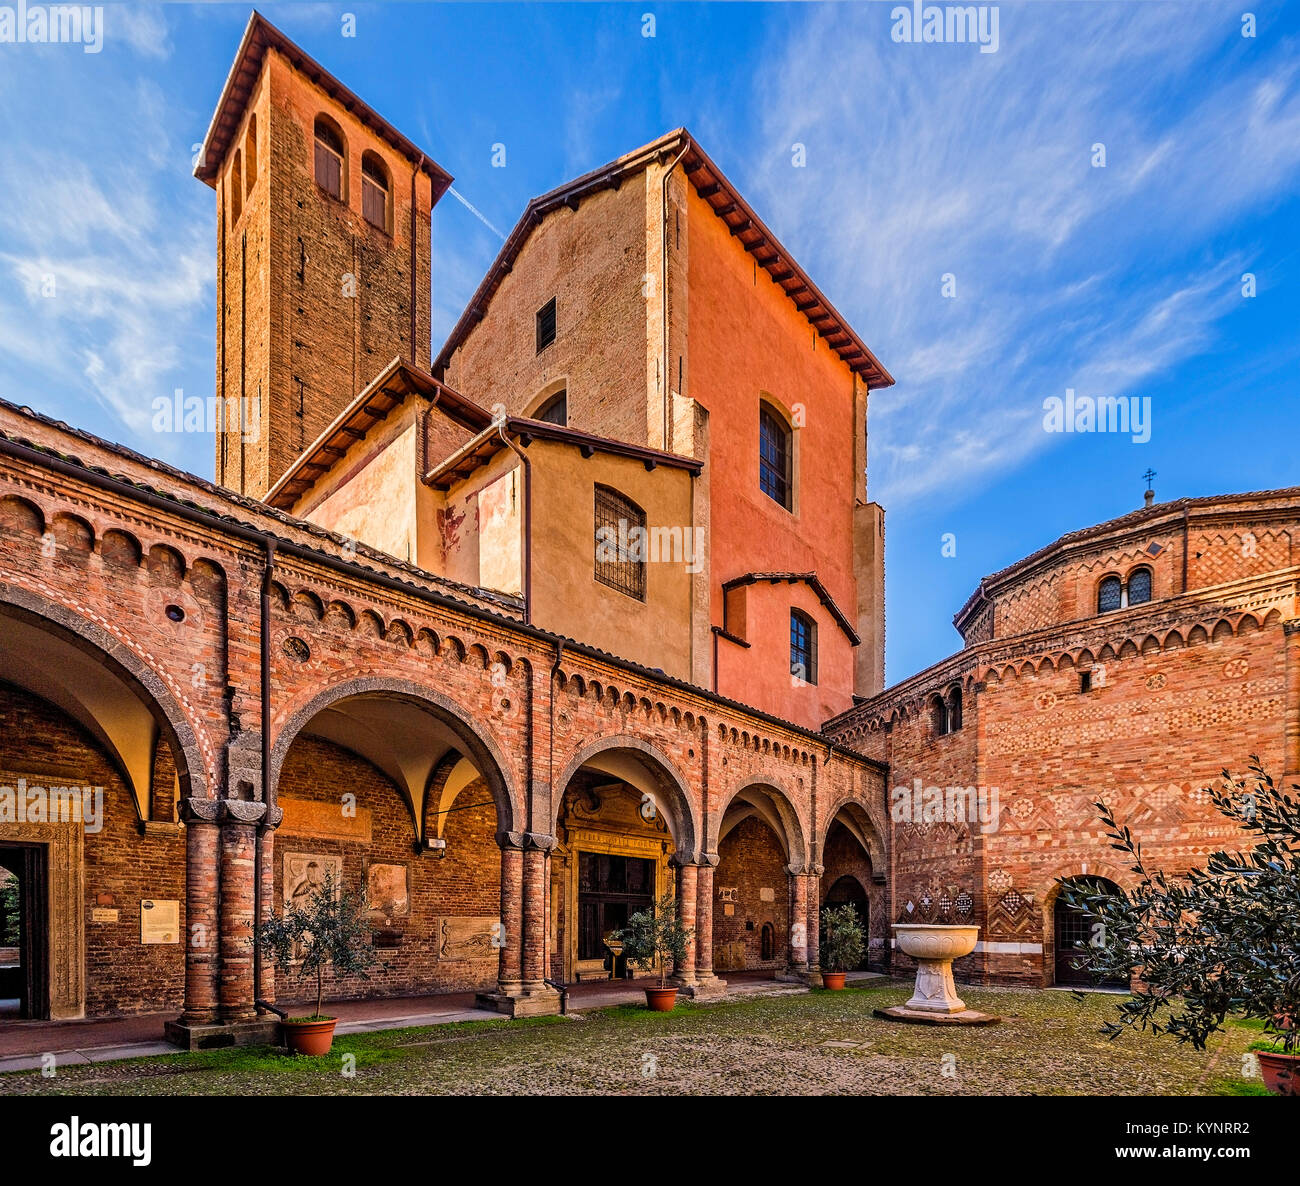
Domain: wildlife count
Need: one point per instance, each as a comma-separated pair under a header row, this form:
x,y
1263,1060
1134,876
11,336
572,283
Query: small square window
x,y
546,325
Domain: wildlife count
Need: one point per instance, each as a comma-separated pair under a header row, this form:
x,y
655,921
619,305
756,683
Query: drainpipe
x,y
265,631
663,274
528,524
415,361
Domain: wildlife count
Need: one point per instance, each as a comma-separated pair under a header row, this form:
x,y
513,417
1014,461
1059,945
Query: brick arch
x,y
787,814
482,749
875,845
119,656
672,783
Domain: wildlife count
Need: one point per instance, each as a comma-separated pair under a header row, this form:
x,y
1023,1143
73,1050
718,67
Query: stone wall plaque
x,y
160,921
466,938
304,874
102,914
766,894
387,897
306,817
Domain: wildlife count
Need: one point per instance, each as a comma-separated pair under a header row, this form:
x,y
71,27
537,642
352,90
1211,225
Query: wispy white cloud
x,y
933,160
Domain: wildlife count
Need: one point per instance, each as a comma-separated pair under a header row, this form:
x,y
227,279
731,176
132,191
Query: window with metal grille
x,y
1139,586
546,325
620,543
374,191
774,457
1110,595
555,410
329,157
803,647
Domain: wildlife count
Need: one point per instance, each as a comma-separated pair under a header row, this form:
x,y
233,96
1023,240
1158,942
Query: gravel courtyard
x,y
819,1043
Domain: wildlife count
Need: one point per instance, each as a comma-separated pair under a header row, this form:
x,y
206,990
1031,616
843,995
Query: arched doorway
x,y
759,839
849,891
1070,928
390,790
848,856
94,756
621,819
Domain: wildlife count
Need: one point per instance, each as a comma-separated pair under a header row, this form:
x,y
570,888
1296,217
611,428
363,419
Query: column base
x,y
705,988
794,974
524,1002
212,1035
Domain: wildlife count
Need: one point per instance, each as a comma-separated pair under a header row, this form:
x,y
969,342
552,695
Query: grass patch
x,y
816,1043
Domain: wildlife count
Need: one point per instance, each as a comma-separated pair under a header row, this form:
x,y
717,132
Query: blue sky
x,y
921,161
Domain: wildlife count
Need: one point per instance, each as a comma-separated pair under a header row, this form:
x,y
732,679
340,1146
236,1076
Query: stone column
x,y
534,906
798,922
266,855
510,966
707,983
238,841
814,896
202,917
525,870
687,901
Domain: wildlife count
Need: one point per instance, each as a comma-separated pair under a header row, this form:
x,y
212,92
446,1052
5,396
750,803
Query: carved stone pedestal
x,y
934,998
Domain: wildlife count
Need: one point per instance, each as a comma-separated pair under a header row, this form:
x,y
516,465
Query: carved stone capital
x,y
200,811
273,818
710,859
540,840
510,839
240,811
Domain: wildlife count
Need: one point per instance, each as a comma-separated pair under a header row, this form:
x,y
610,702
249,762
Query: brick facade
x,y
1196,680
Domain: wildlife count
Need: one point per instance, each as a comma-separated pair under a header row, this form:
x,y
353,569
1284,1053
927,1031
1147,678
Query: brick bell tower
x,y
323,253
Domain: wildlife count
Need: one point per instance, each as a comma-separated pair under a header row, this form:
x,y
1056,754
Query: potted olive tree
x,y
329,930
1223,940
842,943
653,939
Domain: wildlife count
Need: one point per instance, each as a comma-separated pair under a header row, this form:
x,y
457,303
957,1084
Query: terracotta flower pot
x,y
660,1000
1281,1072
833,980
309,1037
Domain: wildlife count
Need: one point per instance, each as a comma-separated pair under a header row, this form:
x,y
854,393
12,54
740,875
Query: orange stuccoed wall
x,y
749,344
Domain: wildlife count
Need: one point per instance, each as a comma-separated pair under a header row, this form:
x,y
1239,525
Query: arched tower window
x,y
331,157
376,191
938,716
250,153
237,187
953,707
555,410
620,543
803,647
774,456
1110,594
1114,594
767,942
1139,586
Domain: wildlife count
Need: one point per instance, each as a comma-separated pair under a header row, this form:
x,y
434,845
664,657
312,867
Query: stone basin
x,y
934,946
